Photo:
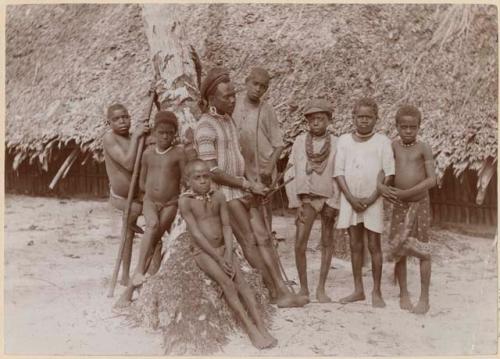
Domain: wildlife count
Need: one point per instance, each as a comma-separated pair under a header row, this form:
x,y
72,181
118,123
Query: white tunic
x,y
360,163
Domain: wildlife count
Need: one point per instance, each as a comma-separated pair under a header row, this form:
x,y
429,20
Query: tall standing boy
x,y
120,148
312,158
409,233
361,156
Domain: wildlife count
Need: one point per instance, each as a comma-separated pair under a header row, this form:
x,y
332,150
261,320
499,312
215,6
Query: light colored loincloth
x,y
409,228
316,202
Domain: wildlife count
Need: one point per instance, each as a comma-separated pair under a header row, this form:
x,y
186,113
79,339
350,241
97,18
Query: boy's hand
x,y
226,266
357,204
258,188
399,193
388,192
141,129
366,201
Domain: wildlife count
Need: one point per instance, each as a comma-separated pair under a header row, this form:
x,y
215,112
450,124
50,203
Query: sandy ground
x,y
59,256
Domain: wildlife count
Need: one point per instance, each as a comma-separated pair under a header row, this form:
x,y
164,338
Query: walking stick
x,y
133,184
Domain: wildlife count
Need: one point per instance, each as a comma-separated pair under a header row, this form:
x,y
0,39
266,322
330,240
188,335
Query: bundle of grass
x,y
187,306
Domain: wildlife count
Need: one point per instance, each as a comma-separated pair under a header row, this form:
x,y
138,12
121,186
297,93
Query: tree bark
x,y
177,88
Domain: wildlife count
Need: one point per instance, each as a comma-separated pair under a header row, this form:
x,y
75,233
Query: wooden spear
x,y
133,183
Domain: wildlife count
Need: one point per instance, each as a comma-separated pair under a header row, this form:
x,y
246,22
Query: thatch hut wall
x,y
86,178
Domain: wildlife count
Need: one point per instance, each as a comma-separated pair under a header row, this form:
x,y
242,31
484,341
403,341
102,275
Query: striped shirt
x,y
216,138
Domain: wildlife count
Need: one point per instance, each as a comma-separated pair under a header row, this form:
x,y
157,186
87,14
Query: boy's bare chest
x,y
163,163
406,157
204,209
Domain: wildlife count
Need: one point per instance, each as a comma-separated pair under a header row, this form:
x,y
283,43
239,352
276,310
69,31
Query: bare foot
x,y
377,301
125,281
292,301
354,297
258,340
125,299
322,297
138,279
422,306
303,292
405,302
268,335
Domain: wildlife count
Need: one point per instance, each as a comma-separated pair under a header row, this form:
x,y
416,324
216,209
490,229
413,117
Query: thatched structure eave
x,y
441,58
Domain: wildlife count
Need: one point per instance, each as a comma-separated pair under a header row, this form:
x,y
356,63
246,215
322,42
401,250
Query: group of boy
x,y
223,190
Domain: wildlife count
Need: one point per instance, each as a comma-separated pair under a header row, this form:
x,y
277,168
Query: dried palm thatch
x,y
66,63
186,305
442,58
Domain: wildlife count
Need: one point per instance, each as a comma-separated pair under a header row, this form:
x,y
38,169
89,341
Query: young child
x,y
160,180
120,148
312,158
207,217
415,175
360,158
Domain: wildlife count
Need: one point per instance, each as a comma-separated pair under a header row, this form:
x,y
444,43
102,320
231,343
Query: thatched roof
x,y
65,65
442,58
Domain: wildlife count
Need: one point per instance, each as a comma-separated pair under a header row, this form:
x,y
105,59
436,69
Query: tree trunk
x,y
177,87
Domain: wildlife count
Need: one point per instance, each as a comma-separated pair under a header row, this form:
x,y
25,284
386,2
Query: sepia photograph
x,y
230,179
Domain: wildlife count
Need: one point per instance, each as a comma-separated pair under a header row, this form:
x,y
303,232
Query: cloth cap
x,y
318,105
214,77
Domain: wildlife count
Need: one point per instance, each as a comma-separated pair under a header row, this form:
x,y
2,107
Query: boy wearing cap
x,y
160,179
312,157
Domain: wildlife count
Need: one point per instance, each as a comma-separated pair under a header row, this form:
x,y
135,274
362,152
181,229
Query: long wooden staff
x,y
133,184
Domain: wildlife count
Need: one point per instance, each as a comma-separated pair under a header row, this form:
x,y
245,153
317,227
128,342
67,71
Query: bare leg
x,y
423,306
212,269
166,217
327,247
285,298
148,240
248,297
357,246
243,233
304,223
376,254
404,295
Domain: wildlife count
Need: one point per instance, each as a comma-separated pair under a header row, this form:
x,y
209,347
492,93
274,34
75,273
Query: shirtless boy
x,y
120,149
207,217
415,175
160,179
